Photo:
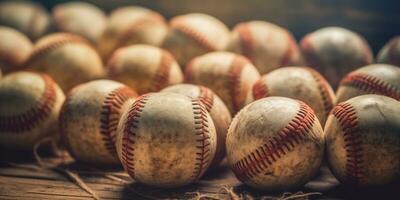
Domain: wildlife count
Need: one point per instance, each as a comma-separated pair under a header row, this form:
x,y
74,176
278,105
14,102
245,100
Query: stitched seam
x,y
371,84
260,89
136,26
234,75
323,88
45,49
110,113
161,78
179,25
246,39
129,132
206,97
189,71
37,113
202,131
348,120
277,146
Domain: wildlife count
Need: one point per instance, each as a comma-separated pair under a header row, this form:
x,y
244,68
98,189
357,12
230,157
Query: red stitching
x,y
234,75
57,42
110,113
180,25
202,130
189,71
36,114
323,88
260,90
206,97
246,39
138,25
371,84
129,132
161,79
276,147
347,117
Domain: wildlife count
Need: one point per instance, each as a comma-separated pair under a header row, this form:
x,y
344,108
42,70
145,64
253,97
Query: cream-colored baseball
x,y
230,76
334,52
267,45
390,53
131,25
15,48
89,119
144,68
302,83
80,18
216,108
166,139
275,143
28,17
382,79
68,58
193,35
29,108
363,141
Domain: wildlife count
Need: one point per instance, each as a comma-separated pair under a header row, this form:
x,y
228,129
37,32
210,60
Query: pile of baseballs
x,y
158,97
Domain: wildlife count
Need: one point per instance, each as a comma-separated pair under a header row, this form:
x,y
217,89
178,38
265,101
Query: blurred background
x,y
377,20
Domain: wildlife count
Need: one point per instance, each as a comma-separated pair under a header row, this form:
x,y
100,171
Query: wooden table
x,y
22,179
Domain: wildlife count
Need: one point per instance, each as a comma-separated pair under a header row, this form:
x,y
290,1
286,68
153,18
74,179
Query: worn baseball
x,y
390,53
144,68
301,83
68,58
230,76
131,25
363,141
216,108
382,79
15,48
267,45
29,108
166,139
335,51
193,35
27,17
275,143
80,18
89,119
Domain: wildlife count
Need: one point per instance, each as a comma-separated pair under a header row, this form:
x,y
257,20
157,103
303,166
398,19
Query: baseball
x,y
27,17
379,79
67,58
363,141
335,51
144,68
275,143
193,35
390,53
131,25
216,108
80,18
267,45
166,139
89,119
15,48
29,107
229,75
300,83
